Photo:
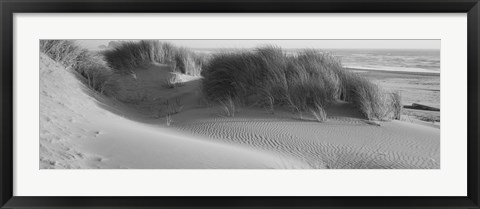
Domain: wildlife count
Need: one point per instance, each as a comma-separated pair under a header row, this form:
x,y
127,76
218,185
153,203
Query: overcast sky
x,y
322,44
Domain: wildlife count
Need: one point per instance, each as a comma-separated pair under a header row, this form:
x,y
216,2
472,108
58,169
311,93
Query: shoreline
x,y
394,71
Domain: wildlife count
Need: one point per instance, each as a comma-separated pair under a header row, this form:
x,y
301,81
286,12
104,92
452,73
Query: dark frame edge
x,y
241,6
7,200
242,202
6,95
473,21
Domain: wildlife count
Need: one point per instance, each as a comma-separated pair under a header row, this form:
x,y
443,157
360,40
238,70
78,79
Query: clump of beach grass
x,y
168,119
309,80
172,82
88,65
168,109
372,101
174,107
319,113
130,55
228,107
397,105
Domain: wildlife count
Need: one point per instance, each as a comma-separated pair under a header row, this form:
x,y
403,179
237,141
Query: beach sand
x,y
88,130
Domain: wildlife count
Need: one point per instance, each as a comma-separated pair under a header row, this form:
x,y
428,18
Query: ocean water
x,y
412,60
393,60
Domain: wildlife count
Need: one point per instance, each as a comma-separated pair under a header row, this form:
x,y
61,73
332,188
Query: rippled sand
x,y
341,142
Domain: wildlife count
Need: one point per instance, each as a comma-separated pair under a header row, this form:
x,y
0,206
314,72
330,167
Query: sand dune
x,y
77,133
81,129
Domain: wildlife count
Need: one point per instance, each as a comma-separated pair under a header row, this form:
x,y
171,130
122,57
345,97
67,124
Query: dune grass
x,y
307,81
319,113
372,101
172,82
125,57
228,107
90,66
168,119
173,107
397,105
169,107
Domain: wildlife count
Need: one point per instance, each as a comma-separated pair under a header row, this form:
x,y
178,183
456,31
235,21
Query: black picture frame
x,y
9,7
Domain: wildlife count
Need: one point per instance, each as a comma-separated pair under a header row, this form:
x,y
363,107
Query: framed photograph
x,y
239,104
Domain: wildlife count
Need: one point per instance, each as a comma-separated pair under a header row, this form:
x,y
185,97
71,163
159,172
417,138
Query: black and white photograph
x,y
239,104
